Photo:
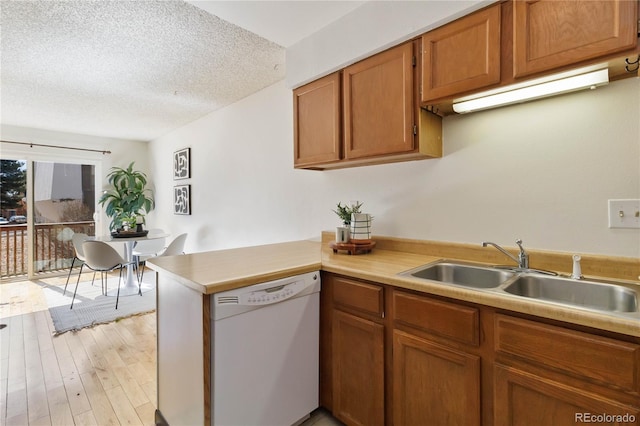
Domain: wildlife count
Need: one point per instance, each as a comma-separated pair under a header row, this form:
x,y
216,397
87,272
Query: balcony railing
x,y
53,248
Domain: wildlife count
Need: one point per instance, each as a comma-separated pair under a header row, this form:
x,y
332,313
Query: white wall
x,y
244,188
540,171
371,28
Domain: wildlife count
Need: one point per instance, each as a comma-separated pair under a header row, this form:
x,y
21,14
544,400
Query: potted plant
x,y
344,212
128,199
129,222
343,233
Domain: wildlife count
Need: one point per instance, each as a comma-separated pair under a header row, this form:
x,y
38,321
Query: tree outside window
x,y
13,187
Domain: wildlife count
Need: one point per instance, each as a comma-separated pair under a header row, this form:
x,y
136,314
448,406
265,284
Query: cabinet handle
x,y
636,63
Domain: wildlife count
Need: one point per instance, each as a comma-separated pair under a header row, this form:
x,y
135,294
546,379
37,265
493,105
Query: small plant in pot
x,y
128,199
344,212
343,233
129,222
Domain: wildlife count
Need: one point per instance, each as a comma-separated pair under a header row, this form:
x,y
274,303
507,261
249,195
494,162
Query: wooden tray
x,y
359,247
129,234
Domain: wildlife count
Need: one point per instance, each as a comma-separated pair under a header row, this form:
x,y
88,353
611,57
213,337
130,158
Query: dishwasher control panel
x,y
243,299
273,294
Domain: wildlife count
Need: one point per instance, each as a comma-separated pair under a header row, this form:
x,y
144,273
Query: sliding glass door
x,y
43,204
64,199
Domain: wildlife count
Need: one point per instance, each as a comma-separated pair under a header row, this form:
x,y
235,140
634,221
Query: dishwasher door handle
x,y
276,288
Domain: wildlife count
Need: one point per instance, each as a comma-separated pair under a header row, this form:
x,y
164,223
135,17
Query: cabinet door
x,y
316,122
378,104
461,56
522,398
358,370
433,384
549,34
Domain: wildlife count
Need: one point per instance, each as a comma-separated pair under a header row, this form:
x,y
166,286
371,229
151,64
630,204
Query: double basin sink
x,y
532,284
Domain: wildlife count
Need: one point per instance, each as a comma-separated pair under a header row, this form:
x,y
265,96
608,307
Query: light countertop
x,y
383,266
216,271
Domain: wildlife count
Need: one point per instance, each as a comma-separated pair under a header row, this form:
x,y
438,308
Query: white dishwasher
x,y
265,352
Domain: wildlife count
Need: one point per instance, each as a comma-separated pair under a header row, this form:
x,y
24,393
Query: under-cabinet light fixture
x,y
534,89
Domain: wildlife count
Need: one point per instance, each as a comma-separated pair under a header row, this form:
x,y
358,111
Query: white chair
x,y
77,239
144,249
175,248
151,247
101,257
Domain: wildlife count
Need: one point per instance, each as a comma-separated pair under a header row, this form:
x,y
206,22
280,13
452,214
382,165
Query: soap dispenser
x,y
577,271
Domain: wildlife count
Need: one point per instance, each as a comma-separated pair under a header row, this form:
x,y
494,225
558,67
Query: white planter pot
x,y
343,234
360,226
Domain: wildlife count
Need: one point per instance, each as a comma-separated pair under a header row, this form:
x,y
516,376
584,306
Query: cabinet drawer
x,y
460,323
608,361
358,295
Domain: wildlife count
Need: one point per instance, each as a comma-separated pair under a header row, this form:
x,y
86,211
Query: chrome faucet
x,y
523,258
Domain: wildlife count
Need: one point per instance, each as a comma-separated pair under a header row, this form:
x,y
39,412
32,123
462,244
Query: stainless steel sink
x,y
462,274
600,296
588,294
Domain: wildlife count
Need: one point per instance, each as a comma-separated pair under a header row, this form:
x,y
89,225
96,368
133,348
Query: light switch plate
x,y
624,213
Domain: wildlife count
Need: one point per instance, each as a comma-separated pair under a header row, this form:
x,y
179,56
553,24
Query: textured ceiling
x,y
284,22
125,69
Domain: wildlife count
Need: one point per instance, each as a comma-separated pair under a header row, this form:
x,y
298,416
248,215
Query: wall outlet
x,y
624,213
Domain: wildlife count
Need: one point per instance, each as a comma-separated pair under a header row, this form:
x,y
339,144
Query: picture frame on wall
x,y
182,199
182,164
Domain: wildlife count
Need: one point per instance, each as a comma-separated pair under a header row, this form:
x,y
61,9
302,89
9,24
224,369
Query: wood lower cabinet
x,y
550,34
358,370
522,398
355,345
434,384
437,371
462,56
546,374
398,357
573,353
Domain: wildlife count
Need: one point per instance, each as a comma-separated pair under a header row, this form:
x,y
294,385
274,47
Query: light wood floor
x,y
105,375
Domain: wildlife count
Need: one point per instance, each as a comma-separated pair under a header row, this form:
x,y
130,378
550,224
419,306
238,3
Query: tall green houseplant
x,y
129,197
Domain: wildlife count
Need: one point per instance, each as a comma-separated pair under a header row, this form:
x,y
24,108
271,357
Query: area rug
x,y
91,307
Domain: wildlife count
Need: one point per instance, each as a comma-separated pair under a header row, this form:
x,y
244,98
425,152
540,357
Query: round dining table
x,y
129,286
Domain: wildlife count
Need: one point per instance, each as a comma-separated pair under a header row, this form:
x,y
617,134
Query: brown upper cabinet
x,y
378,119
551,34
462,56
516,40
317,131
370,112
378,104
